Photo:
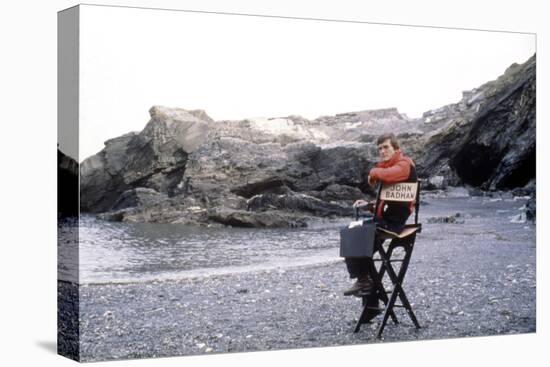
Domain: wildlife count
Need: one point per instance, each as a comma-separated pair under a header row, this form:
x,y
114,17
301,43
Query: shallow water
x,y
113,252
130,252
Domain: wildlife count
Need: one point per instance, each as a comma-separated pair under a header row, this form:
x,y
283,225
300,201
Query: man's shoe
x,y
362,284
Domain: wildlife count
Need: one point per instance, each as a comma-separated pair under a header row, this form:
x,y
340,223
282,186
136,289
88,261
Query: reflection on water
x,y
135,252
121,252
67,249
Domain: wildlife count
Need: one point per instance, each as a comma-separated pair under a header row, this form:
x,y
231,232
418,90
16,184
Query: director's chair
x,y
403,193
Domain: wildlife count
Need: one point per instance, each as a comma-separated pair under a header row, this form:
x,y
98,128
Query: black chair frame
x,y
405,240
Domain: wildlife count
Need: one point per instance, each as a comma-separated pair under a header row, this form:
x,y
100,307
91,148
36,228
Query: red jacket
x,y
395,170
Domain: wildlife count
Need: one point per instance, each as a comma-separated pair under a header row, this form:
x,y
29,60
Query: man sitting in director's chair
x,y
394,167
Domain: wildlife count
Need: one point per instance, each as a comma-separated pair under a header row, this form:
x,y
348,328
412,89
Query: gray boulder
x,y
337,192
154,158
297,202
137,197
268,219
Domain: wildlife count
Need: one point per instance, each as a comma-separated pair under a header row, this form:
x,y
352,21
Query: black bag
x,y
358,241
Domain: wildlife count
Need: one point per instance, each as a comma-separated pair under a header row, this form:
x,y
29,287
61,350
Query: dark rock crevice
x,y
255,188
474,163
490,142
520,172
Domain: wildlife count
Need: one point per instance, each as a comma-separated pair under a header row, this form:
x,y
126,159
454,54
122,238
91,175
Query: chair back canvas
x,y
402,192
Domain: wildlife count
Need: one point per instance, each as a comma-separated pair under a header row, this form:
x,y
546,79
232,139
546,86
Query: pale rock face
x,y
177,124
275,126
280,126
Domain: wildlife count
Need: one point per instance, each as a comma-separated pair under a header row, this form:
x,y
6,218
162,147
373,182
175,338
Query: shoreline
x,y
304,307
473,277
197,274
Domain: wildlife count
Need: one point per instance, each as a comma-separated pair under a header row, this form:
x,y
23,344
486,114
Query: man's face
x,y
386,150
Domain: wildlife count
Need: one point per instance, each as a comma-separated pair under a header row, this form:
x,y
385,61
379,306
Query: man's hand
x,y
359,203
371,181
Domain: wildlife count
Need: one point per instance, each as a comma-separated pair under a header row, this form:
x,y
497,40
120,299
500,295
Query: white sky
x,y
236,67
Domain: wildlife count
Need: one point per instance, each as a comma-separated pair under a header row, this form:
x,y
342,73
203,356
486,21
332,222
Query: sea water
x,y
94,251
115,252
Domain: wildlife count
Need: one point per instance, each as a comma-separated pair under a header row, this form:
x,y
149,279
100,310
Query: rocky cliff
x,y
185,167
488,139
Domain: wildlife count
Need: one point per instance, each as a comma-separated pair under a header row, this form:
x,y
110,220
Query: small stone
x,y
520,218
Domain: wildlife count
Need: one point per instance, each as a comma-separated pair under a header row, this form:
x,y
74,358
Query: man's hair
x,y
391,137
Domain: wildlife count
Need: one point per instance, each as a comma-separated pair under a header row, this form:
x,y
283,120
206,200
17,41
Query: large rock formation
x,y
186,168
155,158
488,139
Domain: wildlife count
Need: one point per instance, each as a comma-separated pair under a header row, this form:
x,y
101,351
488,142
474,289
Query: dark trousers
x,y
358,267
